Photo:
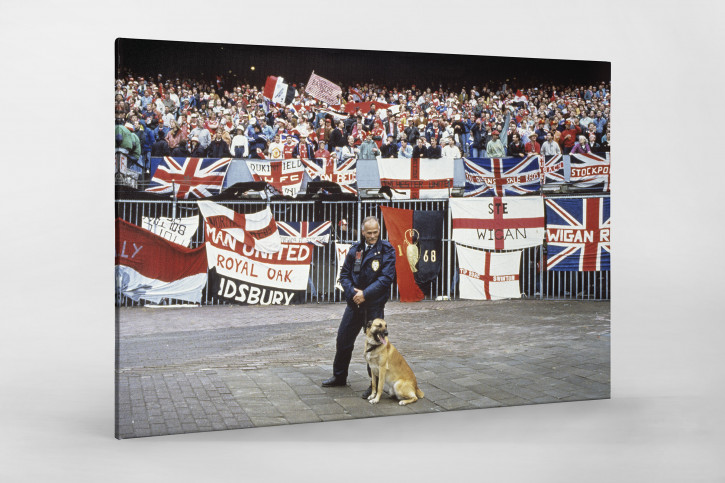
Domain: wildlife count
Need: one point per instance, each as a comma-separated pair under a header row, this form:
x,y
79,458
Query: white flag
x,y
487,275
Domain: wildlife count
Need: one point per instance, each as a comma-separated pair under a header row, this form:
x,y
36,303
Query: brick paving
x,y
229,367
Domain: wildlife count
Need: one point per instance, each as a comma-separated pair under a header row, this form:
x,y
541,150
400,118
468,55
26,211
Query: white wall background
x,y
665,421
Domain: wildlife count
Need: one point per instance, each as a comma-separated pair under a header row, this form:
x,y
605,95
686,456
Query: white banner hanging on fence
x,y
179,230
488,275
341,250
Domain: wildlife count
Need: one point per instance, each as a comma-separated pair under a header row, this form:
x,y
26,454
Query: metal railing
x,y
534,282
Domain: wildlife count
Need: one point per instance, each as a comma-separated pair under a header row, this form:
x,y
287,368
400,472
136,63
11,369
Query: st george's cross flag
x,y
255,230
502,176
152,268
417,178
316,233
577,234
499,223
277,91
589,171
189,177
487,275
552,168
285,175
416,236
342,173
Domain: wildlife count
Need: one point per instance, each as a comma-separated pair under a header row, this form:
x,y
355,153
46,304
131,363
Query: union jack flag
x,y
317,233
343,173
502,176
578,234
201,177
552,170
589,171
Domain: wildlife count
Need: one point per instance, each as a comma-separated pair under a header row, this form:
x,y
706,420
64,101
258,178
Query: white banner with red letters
x,y
488,275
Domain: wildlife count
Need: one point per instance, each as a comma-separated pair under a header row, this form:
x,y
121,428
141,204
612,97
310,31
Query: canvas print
x,y
311,235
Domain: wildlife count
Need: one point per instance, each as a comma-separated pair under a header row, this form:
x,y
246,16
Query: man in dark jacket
x,y
337,137
218,147
389,149
479,144
180,151
420,150
366,277
434,150
411,132
160,148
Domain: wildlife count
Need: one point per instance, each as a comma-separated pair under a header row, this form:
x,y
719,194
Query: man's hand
x,y
358,298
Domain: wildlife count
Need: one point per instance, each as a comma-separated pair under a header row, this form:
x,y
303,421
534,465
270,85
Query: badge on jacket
x,y
375,265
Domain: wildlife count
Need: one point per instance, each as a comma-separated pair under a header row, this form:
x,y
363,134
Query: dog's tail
x,y
419,393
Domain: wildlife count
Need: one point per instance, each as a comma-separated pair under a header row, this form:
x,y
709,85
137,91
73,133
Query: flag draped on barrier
x,y
589,171
255,230
487,275
417,177
177,230
242,275
247,262
342,173
200,177
152,268
498,223
416,237
285,175
577,234
502,176
553,170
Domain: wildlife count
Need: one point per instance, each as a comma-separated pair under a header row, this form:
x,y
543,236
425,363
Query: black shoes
x,y
367,392
334,381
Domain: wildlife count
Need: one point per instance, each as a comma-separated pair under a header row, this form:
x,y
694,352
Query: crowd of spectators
x,y
183,117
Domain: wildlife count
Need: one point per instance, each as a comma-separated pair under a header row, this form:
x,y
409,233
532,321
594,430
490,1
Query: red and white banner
x,y
341,250
285,176
487,275
323,89
590,171
243,275
179,230
151,268
499,223
255,230
417,177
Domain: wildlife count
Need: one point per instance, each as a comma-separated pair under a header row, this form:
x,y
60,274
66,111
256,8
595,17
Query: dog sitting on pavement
x,y
387,365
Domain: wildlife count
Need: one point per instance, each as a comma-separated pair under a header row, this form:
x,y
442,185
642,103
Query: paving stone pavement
x,y
228,367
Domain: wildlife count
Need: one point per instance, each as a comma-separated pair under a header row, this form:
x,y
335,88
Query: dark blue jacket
x,y
377,272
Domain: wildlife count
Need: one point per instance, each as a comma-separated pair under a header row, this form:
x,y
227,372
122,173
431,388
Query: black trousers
x,y
352,322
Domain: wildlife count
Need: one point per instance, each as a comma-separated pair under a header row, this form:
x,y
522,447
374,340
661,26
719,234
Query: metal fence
x,y
535,282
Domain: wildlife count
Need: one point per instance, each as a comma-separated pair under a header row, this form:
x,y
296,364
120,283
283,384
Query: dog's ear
x,y
368,324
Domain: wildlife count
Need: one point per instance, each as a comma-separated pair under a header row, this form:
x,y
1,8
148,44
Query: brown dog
x,y
387,365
